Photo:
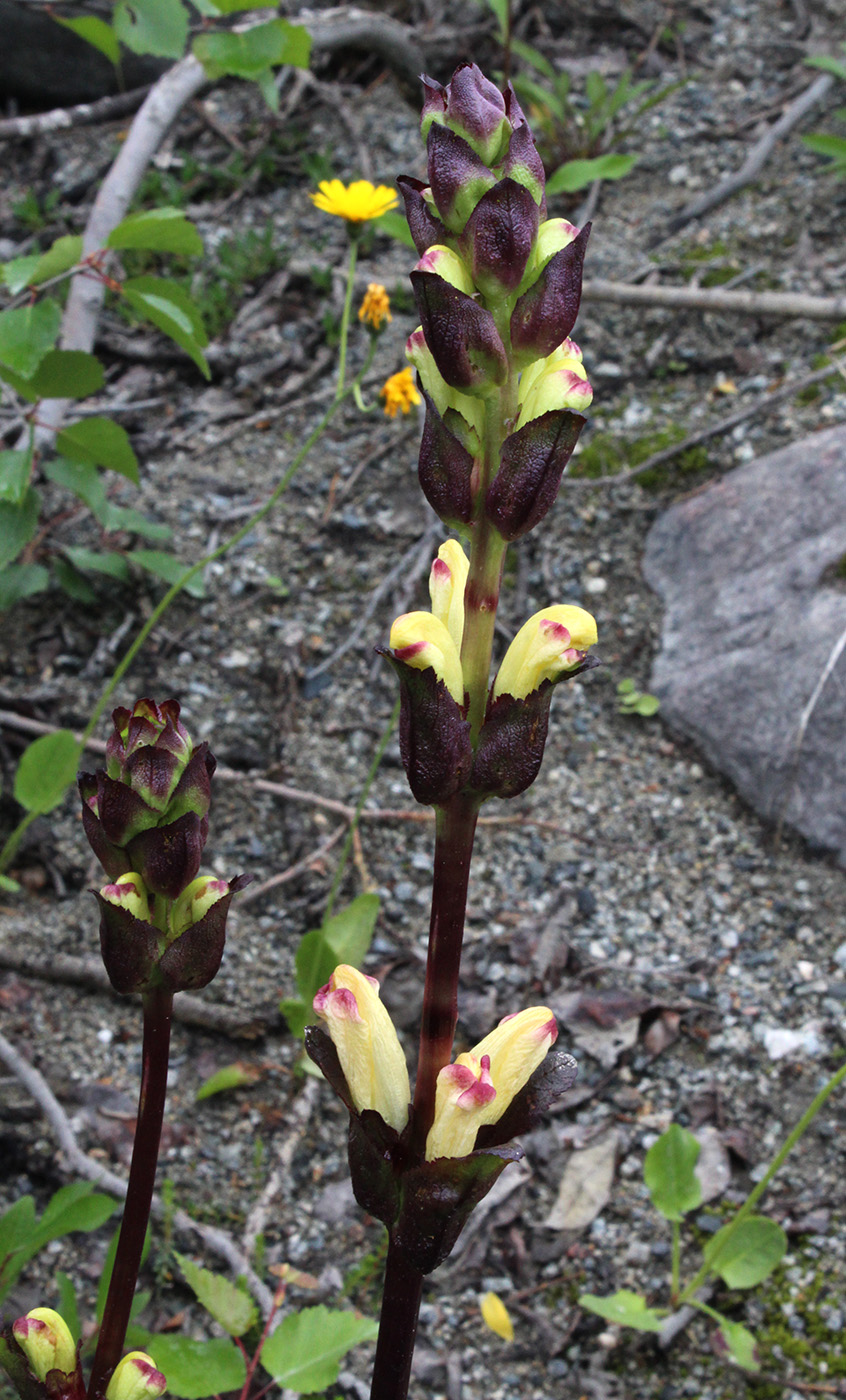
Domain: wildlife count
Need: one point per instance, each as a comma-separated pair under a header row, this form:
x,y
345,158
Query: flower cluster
x,y
146,818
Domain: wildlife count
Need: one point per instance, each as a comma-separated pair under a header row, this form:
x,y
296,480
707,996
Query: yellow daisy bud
x,y
375,309
552,641
367,1043
422,640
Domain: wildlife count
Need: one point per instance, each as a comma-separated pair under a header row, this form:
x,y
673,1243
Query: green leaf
x,y
27,333
576,174
233,1076
95,32
160,230
833,146
15,468
101,442
98,562
35,268
197,1369
626,1308
247,54
123,518
295,1011
167,567
266,84
170,308
72,582
157,27
46,770
395,226
830,65
18,524
534,56
67,374
344,938
21,581
67,1304
304,1351
626,687
232,7
740,1345
228,1304
74,1207
11,887
85,482
647,705
16,1226
668,1171
745,1256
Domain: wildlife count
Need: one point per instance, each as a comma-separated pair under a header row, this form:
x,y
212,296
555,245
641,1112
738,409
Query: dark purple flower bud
x,y
470,105
458,178
499,236
168,857
198,920
426,228
524,165
511,744
434,736
129,943
445,468
545,314
461,335
438,1197
532,463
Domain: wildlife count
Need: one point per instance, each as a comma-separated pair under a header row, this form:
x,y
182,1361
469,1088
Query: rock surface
x,y
755,605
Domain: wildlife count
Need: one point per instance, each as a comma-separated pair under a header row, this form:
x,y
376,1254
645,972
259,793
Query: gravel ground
x,y
697,963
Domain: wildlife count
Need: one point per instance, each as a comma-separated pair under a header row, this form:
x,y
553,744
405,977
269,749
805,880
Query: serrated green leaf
x,y
744,1256
20,581
163,230
95,32
157,27
102,442
249,53
46,770
18,524
98,562
67,374
577,174
27,333
233,1076
296,1013
669,1173
197,1369
626,1308
67,1304
395,226
15,468
167,567
229,1305
740,1345
305,1350
63,254
170,308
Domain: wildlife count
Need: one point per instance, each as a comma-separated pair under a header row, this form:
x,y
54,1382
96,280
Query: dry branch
x,y
105,109
717,299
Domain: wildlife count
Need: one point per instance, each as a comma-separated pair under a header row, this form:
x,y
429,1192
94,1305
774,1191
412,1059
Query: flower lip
x,y
357,203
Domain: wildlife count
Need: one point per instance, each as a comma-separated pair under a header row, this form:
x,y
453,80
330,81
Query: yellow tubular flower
x,y
45,1339
478,1088
558,381
447,582
368,1046
552,641
375,309
399,393
422,640
136,1378
357,202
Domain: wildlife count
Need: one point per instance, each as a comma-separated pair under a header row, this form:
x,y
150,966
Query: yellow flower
x,y
368,1046
422,640
399,393
357,202
552,641
135,1378
447,582
45,1339
495,1315
376,306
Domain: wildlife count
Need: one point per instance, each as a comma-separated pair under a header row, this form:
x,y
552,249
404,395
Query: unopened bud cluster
x,y
41,1358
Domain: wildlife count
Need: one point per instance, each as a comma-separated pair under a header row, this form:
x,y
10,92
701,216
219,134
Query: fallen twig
x,y
84,114
813,308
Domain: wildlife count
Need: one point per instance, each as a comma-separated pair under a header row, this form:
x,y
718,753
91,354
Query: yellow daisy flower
x,y
357,202
399,393
375,308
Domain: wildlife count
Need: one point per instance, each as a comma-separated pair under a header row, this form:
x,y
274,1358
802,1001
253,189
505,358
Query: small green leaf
x,y
74,1207
35,268
123,518
249,53
296,1013
67,374
170,308
197,1369
740,1345
305,1350
96,33
67,1304
167,567
11,887
20,581
830,65
577,174
344,938
823,145
233,1076
18,524
84,481
72,582
98,562
395,226
46,770
15,468
265,81
157,27
163,230
668,1171
626,687
228,1304
232,7
647,705
101,442
744,1256
626,1308
27,333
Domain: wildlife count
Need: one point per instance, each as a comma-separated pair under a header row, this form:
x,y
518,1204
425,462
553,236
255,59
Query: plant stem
x,y
158,1008
676,1275
757,1191
397,1328
345,318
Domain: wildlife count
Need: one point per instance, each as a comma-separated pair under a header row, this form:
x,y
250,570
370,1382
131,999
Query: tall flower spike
x,y
368,1047
479,1087
422,640
553,641
447,582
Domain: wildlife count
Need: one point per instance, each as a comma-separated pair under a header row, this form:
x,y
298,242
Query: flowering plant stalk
x,y
497,287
